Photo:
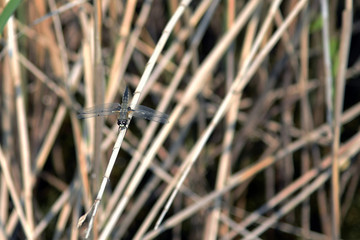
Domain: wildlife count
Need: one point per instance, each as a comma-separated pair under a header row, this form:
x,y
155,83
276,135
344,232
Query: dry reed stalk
x,y
14,196
327,61
339,100
124,32
306,122
351,189
56,207
60,40
213,220
8,139
22,129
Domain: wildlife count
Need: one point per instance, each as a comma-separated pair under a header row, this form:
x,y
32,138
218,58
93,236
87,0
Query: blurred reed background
x,y
264,109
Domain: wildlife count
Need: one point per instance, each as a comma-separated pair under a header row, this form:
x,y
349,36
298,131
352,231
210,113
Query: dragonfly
x,y
123,111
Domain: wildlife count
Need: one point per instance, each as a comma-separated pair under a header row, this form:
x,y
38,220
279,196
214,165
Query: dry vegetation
x,y
258,144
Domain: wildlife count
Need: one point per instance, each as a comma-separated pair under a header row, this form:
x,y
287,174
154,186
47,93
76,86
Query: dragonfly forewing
x,y
141,111
100,110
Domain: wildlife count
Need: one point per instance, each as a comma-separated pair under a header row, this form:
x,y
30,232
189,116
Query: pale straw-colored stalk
x,y
14,196
339,102
119,63
327,61
211,230
21,120
55,208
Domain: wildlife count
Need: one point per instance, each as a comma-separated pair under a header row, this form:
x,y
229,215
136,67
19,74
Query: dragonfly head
x,y
122,123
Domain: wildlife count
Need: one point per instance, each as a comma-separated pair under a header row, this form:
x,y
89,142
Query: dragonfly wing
x,y
150,114
99,110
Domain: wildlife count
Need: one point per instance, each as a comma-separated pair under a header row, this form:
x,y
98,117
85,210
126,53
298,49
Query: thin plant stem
x,y
119,63
327,61
213,221
16,200
22,127
339,99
